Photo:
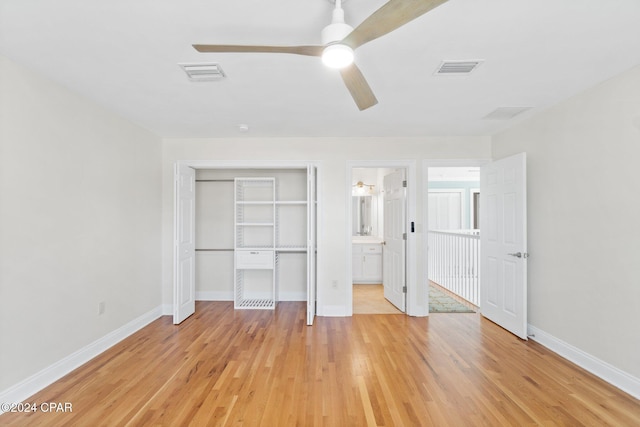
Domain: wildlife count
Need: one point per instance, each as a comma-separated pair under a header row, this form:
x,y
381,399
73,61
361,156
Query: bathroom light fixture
x,y
361,189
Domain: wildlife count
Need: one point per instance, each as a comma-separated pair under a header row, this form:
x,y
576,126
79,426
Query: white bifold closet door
x,y
312,204
184,299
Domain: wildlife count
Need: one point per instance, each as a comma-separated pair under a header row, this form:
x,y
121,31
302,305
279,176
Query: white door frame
x,y
437,163
258,164
414,306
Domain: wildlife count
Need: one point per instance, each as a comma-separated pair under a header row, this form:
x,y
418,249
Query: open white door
x,y
503,242
393,253
311,242
184,299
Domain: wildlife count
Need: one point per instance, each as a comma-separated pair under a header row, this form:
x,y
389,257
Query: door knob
x,y
520,255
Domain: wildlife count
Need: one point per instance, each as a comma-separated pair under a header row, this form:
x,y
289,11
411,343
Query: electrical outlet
x,y
102,307
334,284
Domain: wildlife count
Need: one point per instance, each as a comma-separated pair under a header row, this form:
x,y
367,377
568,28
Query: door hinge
x,y
404,183
404,236
404,289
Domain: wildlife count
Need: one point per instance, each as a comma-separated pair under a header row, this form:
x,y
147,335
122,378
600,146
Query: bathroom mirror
x,y
362,215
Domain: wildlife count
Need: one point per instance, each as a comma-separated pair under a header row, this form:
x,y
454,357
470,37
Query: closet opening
x,y
252,236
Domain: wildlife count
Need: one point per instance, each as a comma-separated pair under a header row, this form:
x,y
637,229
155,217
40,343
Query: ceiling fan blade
x,y
389,17
225,48
358,87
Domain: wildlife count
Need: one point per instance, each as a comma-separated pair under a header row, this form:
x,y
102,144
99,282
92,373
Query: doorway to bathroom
x,y
378,238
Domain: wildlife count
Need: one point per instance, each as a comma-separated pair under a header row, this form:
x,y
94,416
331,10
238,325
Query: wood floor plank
x,y
261,368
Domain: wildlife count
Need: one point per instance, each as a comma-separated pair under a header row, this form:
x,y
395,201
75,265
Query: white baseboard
x,y
332,311
214,296
614,376
167,309
292,296
228,296
28,387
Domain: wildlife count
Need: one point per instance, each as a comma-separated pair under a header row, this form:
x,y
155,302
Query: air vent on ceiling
x,y
203,72
458,67
506,113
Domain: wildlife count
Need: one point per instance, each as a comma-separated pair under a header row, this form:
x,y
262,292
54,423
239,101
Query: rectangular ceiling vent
x,y
506,113
454,68
203,72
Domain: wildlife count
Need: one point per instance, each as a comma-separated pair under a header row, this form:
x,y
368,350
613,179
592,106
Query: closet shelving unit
x,y
254,248
264,227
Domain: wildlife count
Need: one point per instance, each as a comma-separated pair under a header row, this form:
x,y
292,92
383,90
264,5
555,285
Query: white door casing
x,y
503,242
394,249
184,247
311,242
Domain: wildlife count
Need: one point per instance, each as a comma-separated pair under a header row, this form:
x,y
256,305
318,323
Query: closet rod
x,y
301,251
214,180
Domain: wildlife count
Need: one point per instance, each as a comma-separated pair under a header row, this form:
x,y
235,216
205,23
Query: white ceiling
x,y
123,54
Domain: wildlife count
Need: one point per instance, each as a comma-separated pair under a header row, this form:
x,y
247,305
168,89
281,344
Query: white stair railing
x,y
454,262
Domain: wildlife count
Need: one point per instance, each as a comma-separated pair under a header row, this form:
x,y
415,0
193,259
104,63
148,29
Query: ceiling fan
x,y
339,40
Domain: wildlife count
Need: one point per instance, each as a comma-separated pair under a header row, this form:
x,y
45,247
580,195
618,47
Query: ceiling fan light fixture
x,y
339,40
337,56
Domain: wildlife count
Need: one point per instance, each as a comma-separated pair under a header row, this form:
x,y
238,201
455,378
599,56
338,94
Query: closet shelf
x,y
291,202
268,203
255,248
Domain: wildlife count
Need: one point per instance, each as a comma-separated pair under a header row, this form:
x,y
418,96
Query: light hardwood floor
x,y
226,367
369,299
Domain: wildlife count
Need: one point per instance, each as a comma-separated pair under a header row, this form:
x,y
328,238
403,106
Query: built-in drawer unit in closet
x,y
367,263
254,260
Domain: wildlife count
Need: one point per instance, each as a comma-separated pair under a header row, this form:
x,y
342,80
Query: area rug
x,y
439,302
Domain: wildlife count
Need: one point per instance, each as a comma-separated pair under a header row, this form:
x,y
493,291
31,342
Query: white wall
x,y
333,154
80,193
584,219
